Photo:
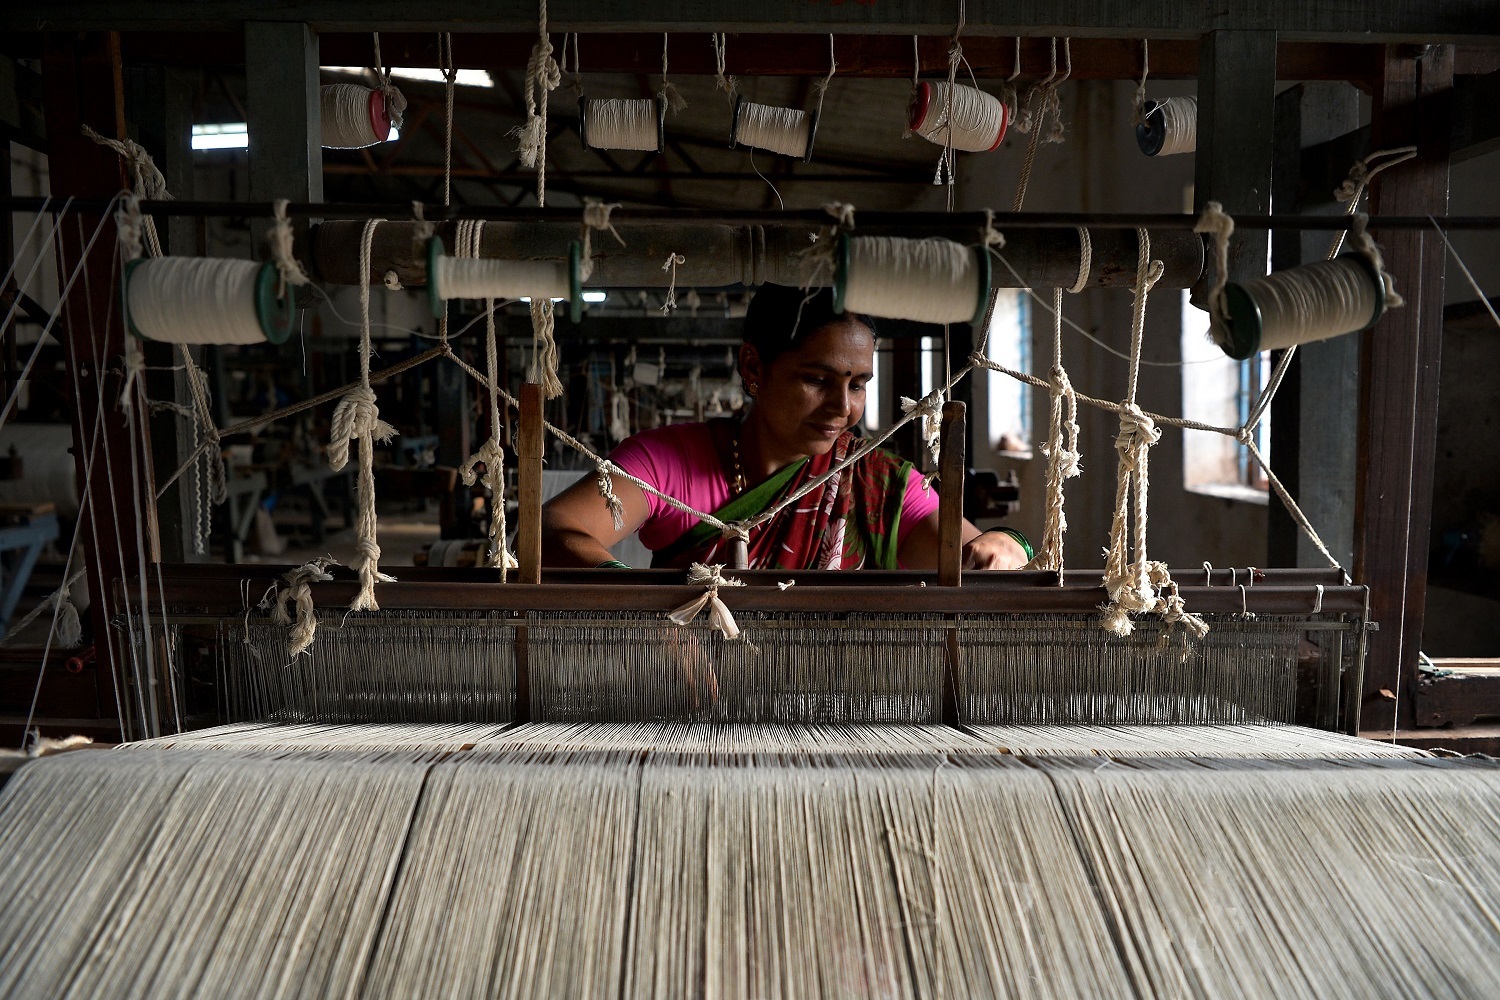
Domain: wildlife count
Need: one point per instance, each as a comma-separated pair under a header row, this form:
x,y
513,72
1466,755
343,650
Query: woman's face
x,y
814,392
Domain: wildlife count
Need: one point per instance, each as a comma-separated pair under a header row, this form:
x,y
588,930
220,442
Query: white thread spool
x,y
1300,305
978,119
929,281
206,300
619,123
777,130
491,278
353,116
1168,127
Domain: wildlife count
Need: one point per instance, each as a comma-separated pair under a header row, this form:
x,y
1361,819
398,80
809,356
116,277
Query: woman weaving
x,y
806,369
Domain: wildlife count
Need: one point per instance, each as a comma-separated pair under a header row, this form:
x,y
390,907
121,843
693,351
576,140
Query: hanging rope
x,y
719,615
730,85
673,261
357,418
596,215
668,93
1061,451
279,240
450,78
542,77
395,101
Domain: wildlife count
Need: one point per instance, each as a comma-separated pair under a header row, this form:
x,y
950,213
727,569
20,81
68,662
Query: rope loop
x,y
357,415
719,615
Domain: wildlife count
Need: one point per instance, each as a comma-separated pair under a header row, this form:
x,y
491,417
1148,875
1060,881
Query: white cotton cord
x,y
596,215
1217,224
195,300
930,409
668,93
449,69
623,123
347,116
147,182
544,354
1085,261
1061,452
928,280
777,130
491,278
615,505
1139,102
674,260
719,615
966,117
395,101
207,461
542,77
357,418
293,603
730,85
280,242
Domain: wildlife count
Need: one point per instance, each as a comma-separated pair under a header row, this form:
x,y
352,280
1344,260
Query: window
x,y
1219,390
1008,402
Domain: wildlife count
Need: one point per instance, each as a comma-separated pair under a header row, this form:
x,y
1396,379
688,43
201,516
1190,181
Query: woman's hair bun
x,y
780,317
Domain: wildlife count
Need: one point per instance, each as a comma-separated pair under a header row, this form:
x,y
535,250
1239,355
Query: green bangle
x,y
1020,540
612,564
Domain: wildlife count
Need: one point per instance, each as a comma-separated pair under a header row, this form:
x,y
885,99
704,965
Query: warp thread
x,y
623,123
779,130
357,417
970,119
297,594
719,615
195,300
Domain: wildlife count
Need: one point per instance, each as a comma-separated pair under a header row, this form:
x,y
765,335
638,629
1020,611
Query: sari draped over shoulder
x,y
849,522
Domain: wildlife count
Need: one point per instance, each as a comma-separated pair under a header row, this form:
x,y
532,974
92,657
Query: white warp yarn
x,y
928,281
620,123
475,278
779,130
195,300
978,119
346,116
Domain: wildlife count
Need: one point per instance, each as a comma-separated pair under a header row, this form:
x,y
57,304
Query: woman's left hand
x,y
994,550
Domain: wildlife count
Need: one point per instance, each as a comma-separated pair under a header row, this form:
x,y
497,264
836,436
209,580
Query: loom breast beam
x,y
623,123
721,255
353,116
787,131
928,281
1301,305
489,278
206,300
979,119
1168,127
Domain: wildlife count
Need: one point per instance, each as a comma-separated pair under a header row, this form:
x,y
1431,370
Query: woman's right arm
x,y
577,528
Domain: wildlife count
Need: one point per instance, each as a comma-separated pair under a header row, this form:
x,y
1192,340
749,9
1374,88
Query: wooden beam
x,y
282,86
1399,383
1372,20
84,86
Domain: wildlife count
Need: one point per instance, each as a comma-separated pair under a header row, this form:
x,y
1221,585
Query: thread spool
x,y
1168,127
1300,305
619,123
777,130
491,278
979,119
206,300
353,116
928,281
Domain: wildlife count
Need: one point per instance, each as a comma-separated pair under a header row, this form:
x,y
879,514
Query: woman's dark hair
x,y
780,317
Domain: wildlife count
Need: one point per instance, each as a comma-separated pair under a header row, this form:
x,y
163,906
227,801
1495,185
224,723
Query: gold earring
x,y
753,388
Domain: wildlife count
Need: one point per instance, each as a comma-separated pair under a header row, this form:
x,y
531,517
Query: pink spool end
x,y
380,121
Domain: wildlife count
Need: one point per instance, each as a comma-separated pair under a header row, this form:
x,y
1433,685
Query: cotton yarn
x,y
1169,127
978,119
787,131
927,280
204,300
619,123
353,116
1300,305
489,278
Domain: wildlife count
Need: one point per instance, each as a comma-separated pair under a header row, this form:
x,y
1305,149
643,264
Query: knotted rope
x,y
668,93
671,265
1061,451
930,409
146,180
596,215
542,77
297,594
729,84
719,615
357,418
279,240
1129,581
395,101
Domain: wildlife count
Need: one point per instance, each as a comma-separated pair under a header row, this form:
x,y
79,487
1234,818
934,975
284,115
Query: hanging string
x,y
1138,104
395,101
730,85
279,240
542,77
1028,121
450,78
668,94
491,455
357,418
575,81
671,265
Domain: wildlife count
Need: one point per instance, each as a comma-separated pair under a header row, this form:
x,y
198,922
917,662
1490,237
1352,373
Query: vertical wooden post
x,y
1236,106
1399,382
951,494
84,86
283,105
530,447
